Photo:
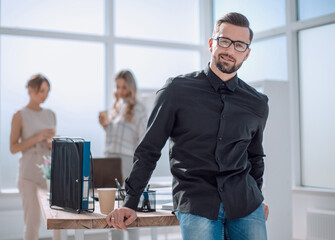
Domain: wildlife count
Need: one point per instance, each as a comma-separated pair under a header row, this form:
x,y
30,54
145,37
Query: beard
x,y
225,67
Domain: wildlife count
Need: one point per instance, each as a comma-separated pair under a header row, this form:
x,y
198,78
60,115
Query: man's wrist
x,y
131,202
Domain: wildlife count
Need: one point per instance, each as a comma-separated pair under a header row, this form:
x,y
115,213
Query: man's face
x,y
228,60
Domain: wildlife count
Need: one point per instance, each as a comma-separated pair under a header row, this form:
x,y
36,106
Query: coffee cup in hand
x,y
103,117
51,134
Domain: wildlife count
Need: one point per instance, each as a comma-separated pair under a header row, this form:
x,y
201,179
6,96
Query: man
x,y
215,123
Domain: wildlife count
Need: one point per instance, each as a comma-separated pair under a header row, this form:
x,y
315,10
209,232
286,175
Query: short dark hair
x,y
36,81
236,19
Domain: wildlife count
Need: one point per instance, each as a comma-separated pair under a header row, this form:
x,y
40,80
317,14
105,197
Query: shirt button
x,y
222,116
220,138
218,159
221,189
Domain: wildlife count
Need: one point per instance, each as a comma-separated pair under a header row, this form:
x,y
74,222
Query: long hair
x,y
236,19
128,115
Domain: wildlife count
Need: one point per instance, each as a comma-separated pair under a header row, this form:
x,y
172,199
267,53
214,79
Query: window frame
x,y
110,40
290,30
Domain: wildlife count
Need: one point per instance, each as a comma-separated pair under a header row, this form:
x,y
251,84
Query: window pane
x,y
80,16
262,14
262,65
153,66
317,86
311,8
76,73
158,20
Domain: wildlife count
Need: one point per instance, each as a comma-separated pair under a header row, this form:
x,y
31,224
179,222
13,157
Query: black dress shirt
x,y
216,154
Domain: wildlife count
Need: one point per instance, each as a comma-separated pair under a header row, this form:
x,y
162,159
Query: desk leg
x,y
153,233
59,235
63,234
79,234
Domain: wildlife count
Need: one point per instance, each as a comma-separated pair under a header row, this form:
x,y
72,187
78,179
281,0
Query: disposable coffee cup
x,y
106,199
53,134
104,116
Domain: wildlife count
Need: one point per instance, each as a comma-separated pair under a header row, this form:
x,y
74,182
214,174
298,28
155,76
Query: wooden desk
x,y
57,219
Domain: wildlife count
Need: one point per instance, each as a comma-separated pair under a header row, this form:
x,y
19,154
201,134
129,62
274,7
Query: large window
x,y
263,14
76,16
76,73
317,87
154,65
158,20
80,45
308,9
262,65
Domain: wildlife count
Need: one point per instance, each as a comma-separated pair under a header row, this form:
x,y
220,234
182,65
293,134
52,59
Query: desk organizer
x,y
120,196
147,202
71,175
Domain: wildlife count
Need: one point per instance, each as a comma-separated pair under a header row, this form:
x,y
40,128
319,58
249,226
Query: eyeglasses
x,y
226,42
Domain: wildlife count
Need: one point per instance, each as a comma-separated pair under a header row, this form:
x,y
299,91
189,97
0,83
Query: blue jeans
x,y
251,227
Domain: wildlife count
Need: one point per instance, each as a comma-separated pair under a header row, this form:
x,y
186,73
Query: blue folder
x,y
86,174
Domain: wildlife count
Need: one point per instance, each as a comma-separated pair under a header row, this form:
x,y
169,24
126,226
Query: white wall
x,y
277,176
304,199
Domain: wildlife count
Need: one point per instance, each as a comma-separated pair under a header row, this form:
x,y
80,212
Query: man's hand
x,y
120,218
266,211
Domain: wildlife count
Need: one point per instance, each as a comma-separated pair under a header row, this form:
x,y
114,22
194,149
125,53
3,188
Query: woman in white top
x,y
125,126
32,129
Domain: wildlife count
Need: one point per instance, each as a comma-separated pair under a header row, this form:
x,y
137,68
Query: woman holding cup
x,y
125,125
31,132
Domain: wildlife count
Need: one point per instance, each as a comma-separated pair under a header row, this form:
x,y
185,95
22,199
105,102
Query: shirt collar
x,y
216,82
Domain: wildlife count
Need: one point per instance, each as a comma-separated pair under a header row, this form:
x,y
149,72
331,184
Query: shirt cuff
x,y
131,202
